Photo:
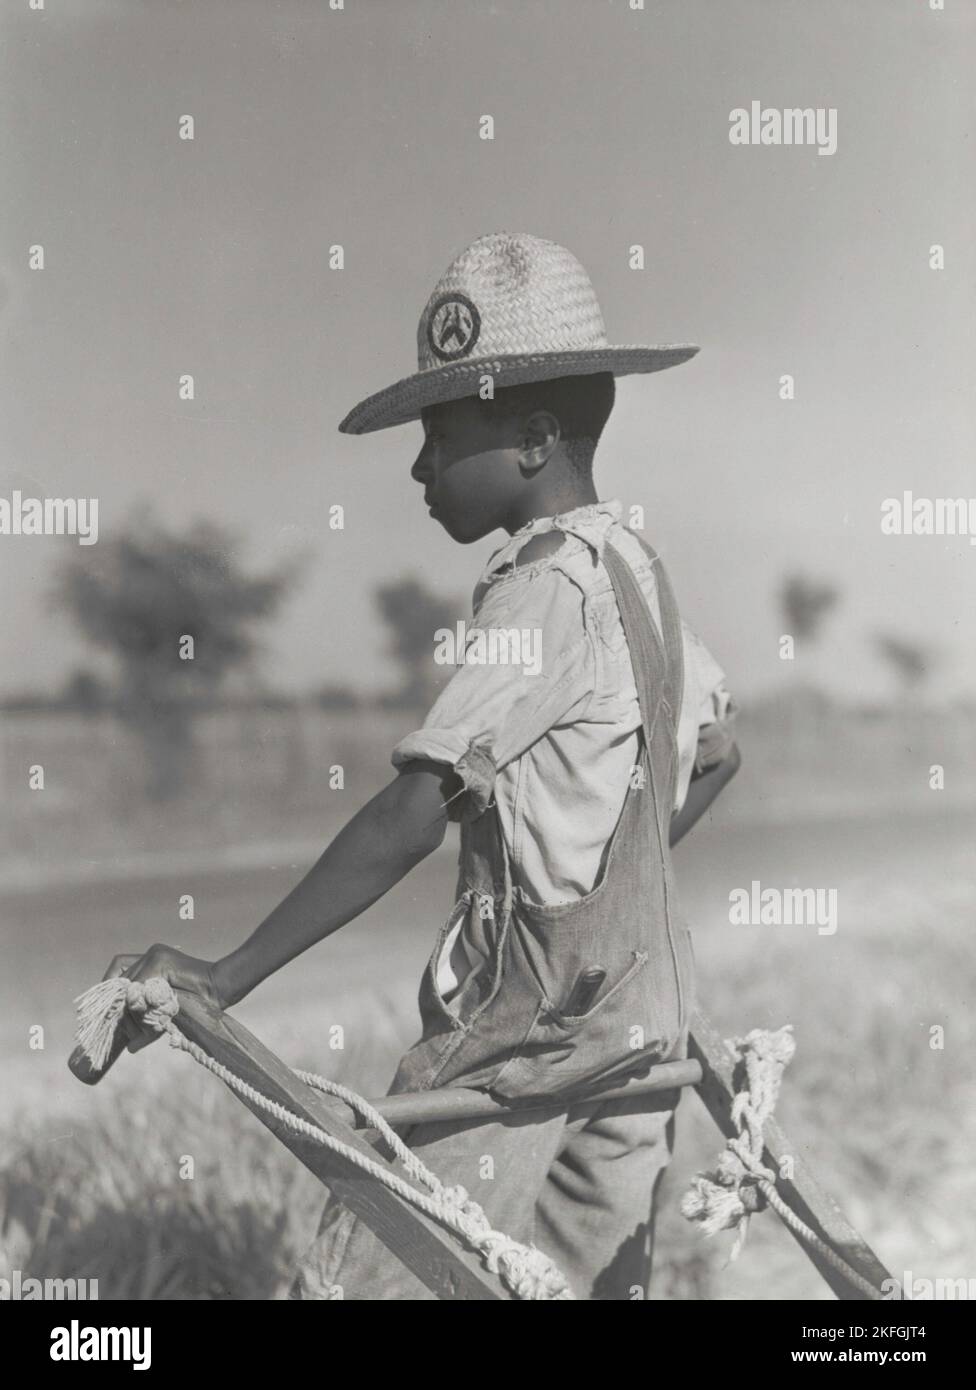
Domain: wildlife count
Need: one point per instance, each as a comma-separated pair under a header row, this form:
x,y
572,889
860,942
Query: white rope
x,y
741,1183
524,1269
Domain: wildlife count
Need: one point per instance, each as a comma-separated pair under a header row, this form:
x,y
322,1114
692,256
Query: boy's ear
x,y
540,435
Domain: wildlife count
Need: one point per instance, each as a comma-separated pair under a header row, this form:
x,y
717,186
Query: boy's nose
x,y
418,472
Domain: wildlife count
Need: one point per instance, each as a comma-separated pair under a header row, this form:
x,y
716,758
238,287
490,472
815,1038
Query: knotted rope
x,y
741,1183
524,1269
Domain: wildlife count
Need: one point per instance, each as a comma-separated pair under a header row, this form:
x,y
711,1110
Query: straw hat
x,y
514,307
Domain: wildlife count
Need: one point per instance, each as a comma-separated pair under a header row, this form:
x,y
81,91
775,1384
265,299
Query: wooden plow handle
x,y
430,1252
82,1068
433,1254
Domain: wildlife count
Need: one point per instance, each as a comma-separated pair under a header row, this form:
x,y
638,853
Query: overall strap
x,y
671,626
658,666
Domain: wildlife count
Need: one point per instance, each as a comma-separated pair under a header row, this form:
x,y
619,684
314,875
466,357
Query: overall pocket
x,y
562,1051
432,999
464,962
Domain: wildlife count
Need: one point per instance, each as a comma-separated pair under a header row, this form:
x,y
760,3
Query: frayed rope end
x,y
100,1011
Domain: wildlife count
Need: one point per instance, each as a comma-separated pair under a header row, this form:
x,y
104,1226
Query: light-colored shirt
x,y
553,738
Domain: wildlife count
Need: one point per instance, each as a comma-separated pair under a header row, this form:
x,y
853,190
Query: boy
x,y
564,962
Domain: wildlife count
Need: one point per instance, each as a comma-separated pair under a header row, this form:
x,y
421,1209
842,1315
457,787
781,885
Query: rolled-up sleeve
x,y
528,666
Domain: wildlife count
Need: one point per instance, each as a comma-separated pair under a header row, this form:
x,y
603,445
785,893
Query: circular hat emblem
x,y
453,326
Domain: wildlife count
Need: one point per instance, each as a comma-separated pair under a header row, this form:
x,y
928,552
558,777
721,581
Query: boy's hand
x,y
182,971
703,788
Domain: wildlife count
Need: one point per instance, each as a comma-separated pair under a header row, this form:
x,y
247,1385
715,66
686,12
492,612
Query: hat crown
x,y
509,292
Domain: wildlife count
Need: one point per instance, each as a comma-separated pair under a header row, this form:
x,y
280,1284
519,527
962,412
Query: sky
x,y
360,127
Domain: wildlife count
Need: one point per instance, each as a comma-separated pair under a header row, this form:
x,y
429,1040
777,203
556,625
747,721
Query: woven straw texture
x,y
514,307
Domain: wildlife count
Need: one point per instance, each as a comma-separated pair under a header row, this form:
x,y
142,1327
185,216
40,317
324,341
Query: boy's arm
x,y
484,718
703,788
392,833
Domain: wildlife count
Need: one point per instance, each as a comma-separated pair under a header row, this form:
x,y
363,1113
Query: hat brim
x,y
404,400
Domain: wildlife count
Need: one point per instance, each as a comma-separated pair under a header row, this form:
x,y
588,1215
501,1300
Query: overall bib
x,y
578,1178
507,1029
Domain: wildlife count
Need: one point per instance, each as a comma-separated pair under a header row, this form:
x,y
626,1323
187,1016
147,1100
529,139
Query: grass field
x,y
90,1181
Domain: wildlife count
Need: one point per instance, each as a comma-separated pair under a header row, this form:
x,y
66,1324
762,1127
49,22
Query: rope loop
x,y
726,1198
525,1269
741,1184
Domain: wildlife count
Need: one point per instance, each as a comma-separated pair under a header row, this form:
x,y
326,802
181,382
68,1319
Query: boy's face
x,y
469,468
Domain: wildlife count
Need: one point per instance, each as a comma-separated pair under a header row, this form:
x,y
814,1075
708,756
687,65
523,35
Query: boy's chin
x,y
463,531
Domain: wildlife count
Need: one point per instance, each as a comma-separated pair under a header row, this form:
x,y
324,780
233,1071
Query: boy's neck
x,y
564,496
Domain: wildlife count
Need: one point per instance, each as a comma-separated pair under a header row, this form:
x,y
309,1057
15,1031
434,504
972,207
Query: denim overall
x,y
579,1178
507,1029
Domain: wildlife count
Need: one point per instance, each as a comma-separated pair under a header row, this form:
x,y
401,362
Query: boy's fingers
x,y
138,1034
119,965
138,1037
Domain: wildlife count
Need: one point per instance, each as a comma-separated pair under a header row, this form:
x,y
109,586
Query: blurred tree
x,y
413,614
805,603
910,661
140,597
338,697
85,692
